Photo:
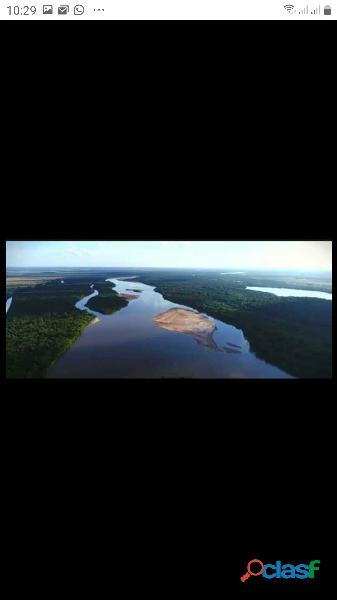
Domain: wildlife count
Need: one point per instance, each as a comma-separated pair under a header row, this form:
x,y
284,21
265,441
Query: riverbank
x,y
107,301
42,324
96,320
294,334
33,344
131,345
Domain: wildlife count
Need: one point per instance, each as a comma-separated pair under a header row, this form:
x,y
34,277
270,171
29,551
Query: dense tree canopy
x,y
294,334
43,322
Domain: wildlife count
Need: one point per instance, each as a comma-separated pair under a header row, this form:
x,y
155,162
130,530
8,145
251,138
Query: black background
x,y
169,487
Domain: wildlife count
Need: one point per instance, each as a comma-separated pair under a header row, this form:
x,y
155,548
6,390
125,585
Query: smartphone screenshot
x,y
168,278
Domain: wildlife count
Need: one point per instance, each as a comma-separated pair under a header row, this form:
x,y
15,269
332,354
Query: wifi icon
x,y
289,7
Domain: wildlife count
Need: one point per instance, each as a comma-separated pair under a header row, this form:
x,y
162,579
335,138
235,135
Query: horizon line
x,y
329,269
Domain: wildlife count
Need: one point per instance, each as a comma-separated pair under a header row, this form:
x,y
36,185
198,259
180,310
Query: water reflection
x,y
128,344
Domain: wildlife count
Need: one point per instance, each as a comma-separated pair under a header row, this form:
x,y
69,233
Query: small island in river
x,y
128,296
181,320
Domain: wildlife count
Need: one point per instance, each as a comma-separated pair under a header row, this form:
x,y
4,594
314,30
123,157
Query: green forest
x,y
294,334
108,301
33,343
43,322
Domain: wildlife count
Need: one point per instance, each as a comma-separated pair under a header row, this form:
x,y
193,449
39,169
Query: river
x,y
81,304
8,304
128,344
287,292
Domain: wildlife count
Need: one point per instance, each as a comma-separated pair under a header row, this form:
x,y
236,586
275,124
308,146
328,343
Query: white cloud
x,y
196,254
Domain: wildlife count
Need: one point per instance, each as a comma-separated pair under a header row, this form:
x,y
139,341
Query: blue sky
x,y
194,254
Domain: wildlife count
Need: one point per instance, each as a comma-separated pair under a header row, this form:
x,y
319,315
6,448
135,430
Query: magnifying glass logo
x,y
250,572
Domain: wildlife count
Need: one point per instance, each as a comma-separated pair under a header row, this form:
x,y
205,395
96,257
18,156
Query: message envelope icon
x,y
63,10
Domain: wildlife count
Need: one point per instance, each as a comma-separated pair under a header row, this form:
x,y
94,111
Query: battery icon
x,y
327,10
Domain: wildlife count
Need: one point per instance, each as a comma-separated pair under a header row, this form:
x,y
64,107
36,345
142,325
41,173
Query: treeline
x,y
41,325
43,322
294,334
108,301
34,343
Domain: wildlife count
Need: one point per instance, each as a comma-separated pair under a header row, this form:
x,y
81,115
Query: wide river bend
x,y
128,344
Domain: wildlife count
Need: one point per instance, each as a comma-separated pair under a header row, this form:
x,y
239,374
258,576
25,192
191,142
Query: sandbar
x,y
95,320
181,320
129,296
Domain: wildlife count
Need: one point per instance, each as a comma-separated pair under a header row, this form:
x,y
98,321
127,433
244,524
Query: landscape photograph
x,y
168,309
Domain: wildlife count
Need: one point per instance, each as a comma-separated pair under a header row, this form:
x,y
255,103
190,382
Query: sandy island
x,y
129,296
181,320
